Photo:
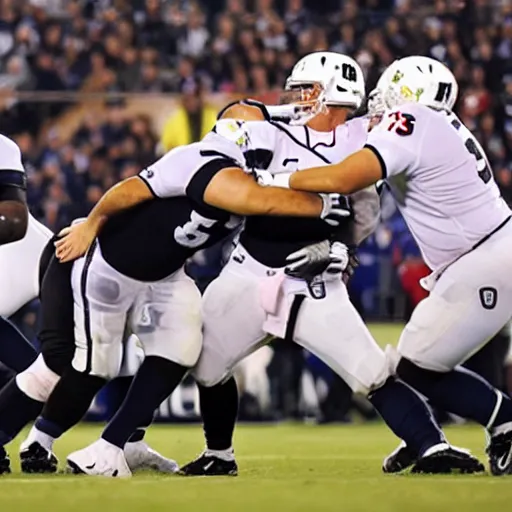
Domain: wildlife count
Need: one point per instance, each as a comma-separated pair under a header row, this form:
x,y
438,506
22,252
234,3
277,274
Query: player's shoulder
x,y
10,155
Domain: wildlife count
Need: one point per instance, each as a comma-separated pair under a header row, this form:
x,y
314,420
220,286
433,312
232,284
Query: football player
x,y
136,240
444,187
22,240
251,301
22,399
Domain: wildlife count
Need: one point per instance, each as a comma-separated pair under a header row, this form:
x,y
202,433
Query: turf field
x,y
282,468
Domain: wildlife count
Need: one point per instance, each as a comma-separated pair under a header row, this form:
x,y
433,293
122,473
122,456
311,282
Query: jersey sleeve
x,y
12,173
186,171
395,141
262,144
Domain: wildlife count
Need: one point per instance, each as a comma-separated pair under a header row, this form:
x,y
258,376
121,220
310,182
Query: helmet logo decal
x,y
408,94
349,72
397,77
444,92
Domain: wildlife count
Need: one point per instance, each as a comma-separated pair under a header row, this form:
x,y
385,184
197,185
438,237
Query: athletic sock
x,y
38,436
156,379
69,402
16,410
122,386
219,409
461,392
407,415
16,352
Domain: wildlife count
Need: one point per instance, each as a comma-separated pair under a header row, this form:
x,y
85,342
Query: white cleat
x,y
141,456
99,459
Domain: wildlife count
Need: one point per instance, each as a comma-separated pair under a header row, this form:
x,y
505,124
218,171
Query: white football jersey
x,y
283,148
441,180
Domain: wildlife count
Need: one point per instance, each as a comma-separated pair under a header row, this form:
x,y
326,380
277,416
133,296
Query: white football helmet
x,y
421,79
340,79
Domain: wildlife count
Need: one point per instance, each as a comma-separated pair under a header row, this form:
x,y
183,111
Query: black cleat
x,y
445,459
5,462
36,459
209,465
398,460
500,454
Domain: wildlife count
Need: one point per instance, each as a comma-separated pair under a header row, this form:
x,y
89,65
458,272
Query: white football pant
x,y
468,304
236,324
164,315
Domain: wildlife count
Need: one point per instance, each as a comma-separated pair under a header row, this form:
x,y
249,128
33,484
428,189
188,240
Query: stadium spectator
x,y
192,120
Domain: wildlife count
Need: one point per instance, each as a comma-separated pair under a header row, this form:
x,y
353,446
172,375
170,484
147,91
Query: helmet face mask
x,y
308,100
339,76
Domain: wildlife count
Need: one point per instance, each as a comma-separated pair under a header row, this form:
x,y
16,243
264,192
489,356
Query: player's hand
x,y
75,241
334,209
339,258
308,262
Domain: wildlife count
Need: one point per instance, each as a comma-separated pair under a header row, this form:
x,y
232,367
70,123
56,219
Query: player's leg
x,y
332,330
102,298
139,455
233,319
468,305
167,320
22,399
19,264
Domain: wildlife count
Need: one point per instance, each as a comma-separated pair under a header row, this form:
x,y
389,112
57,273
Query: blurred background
x,y
94,90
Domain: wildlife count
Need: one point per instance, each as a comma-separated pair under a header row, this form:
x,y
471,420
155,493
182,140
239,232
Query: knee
x,y
209,375
419,378
37,381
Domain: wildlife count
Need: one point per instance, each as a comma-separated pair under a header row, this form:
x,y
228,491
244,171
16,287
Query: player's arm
x,y
245,110
126,194
358,171
234,190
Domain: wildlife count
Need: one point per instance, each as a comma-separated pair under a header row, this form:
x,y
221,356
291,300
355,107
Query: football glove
x,y
315,259
309,261
334,209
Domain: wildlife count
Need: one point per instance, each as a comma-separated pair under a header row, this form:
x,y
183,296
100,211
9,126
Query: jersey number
x,y
198,230
402,124
482,165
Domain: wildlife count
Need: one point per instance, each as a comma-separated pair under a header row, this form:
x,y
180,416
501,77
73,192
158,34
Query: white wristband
x,y
282,180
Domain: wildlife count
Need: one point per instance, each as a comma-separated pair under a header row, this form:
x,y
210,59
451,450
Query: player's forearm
x,y
235,191
120,197
282,202
320,179
358,171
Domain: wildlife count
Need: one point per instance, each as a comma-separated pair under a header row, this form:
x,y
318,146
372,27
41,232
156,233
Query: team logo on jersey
x,y
149,319
316,288
488,297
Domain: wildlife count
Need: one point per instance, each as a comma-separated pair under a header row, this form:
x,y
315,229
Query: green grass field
x,y
282,468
